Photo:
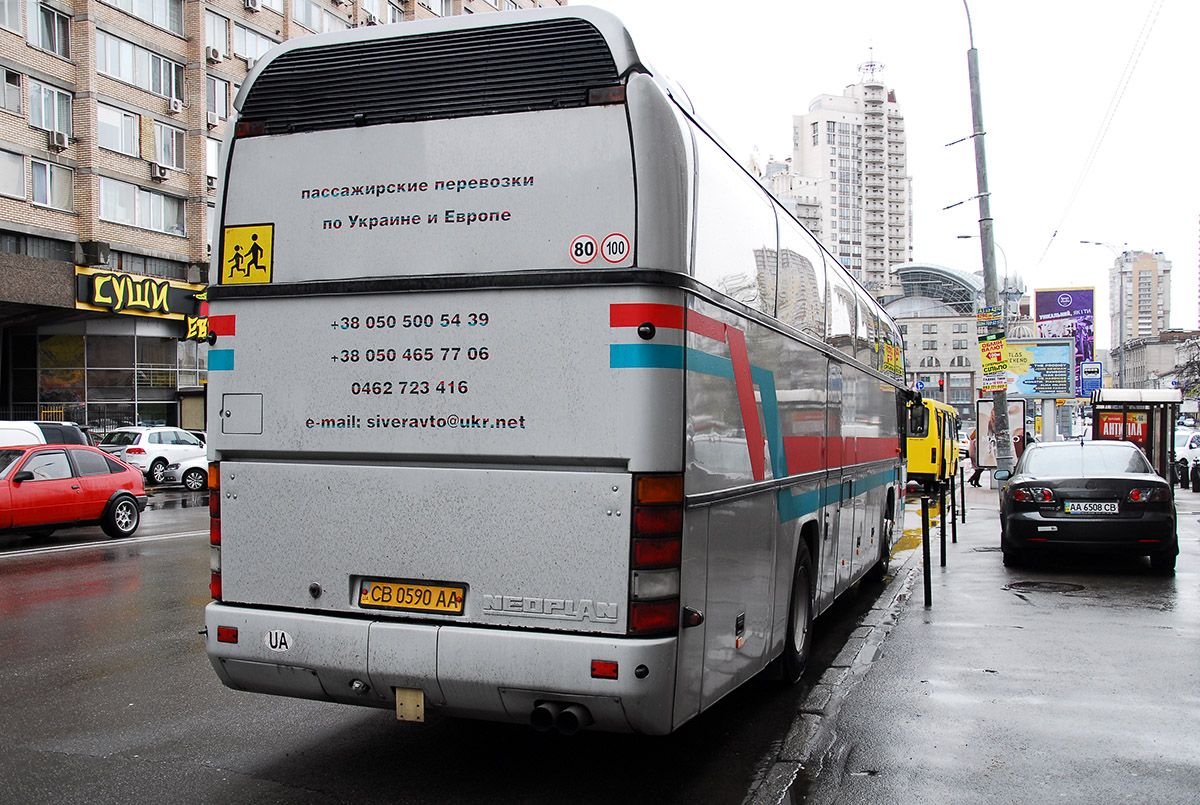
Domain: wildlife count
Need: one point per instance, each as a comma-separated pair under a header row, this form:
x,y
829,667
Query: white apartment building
x,y
852,149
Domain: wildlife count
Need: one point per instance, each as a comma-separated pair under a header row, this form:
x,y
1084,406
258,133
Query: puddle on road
x,y
175,500
1044,587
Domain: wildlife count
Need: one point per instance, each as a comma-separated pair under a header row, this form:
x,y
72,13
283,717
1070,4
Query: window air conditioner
x,y
158,172
250,62
175,105
371,19
58,140
252,5
213,55
213,120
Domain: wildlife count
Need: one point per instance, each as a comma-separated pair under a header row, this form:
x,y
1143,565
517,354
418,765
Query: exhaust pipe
x,y
544,716
572,718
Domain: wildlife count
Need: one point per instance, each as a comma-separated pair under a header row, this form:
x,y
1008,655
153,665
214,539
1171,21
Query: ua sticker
x,y
246,255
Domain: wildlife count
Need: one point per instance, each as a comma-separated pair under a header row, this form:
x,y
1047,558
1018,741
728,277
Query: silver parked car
x,y
152,450
192,473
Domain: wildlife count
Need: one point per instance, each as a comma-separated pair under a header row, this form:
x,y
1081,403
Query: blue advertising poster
x,y
1068,313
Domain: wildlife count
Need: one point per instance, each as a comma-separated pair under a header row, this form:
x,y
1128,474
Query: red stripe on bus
x,y
807,453
670,316
745,393
876,449
709,328
222,325
804,453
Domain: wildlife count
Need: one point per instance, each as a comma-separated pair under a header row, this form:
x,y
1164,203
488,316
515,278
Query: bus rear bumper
x,y
494,674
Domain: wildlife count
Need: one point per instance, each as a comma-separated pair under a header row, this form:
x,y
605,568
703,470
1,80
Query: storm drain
x,y
1044,587
988,549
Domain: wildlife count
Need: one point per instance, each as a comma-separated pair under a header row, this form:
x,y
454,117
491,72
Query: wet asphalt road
x,y
1009,688
106,695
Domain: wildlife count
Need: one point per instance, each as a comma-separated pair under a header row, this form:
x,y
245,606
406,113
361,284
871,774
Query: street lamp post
x,y
1121,305
1005,454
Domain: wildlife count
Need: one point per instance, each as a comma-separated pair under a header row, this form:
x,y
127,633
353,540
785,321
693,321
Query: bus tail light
x,y
653,617
214,528
656,553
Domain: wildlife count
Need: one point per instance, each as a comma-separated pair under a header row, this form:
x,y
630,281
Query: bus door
x,y
737,620
939,446
831,502
844,528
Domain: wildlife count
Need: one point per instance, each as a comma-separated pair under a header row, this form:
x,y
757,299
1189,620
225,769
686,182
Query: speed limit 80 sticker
x,y
614,248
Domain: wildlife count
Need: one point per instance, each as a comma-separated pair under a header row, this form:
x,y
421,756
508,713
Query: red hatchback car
x,y
51,486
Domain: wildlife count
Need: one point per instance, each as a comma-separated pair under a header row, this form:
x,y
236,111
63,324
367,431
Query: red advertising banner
x,y
1134,426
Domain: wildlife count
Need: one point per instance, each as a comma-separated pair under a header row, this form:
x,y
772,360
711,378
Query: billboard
x,y
1068,313
985,432
1041,368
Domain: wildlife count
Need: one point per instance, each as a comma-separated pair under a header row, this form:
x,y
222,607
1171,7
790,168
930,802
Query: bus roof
x,y
619,42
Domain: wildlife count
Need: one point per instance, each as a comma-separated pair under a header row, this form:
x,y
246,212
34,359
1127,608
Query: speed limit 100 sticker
x,y
614,248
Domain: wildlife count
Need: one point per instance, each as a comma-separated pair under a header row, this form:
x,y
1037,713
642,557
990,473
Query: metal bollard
x,y
962,491
955,503
942,519
925,550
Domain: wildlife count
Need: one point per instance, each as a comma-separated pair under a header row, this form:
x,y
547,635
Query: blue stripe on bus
x,y
644,356
793,506
220,360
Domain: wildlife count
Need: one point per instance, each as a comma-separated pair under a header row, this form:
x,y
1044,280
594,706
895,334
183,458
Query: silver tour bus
x,y
532,404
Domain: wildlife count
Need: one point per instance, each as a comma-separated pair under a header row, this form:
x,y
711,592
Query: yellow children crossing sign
x,y
247,252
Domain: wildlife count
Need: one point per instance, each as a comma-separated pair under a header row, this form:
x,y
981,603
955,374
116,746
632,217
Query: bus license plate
x,y
412,596
1092,507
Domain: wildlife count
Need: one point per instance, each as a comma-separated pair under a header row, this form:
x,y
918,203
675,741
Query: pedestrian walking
x,y
973,452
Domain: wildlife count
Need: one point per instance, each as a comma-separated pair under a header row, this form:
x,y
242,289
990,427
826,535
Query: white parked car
x,y
191,472
152,450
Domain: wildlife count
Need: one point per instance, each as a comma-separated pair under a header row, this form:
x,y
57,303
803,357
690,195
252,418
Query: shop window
x,y
156,352
109,352
63,351
105,385
61,386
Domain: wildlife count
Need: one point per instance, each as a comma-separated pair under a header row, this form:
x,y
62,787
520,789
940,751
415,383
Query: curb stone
x,y
812,732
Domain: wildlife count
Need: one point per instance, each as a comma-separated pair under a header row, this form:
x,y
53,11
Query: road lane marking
x,y
107,544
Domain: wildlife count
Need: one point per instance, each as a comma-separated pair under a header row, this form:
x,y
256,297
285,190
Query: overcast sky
x,y
1050,72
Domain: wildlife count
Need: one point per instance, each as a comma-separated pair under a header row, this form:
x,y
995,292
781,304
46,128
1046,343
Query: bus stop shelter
x,y
1145,417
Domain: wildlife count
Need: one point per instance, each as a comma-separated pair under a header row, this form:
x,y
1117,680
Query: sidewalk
x,y
1067,682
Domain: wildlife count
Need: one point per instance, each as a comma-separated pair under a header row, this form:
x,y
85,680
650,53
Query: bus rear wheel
x,y
800,619
878,571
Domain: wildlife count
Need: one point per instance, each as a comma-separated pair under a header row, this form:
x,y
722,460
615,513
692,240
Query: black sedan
x,y
1101,496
